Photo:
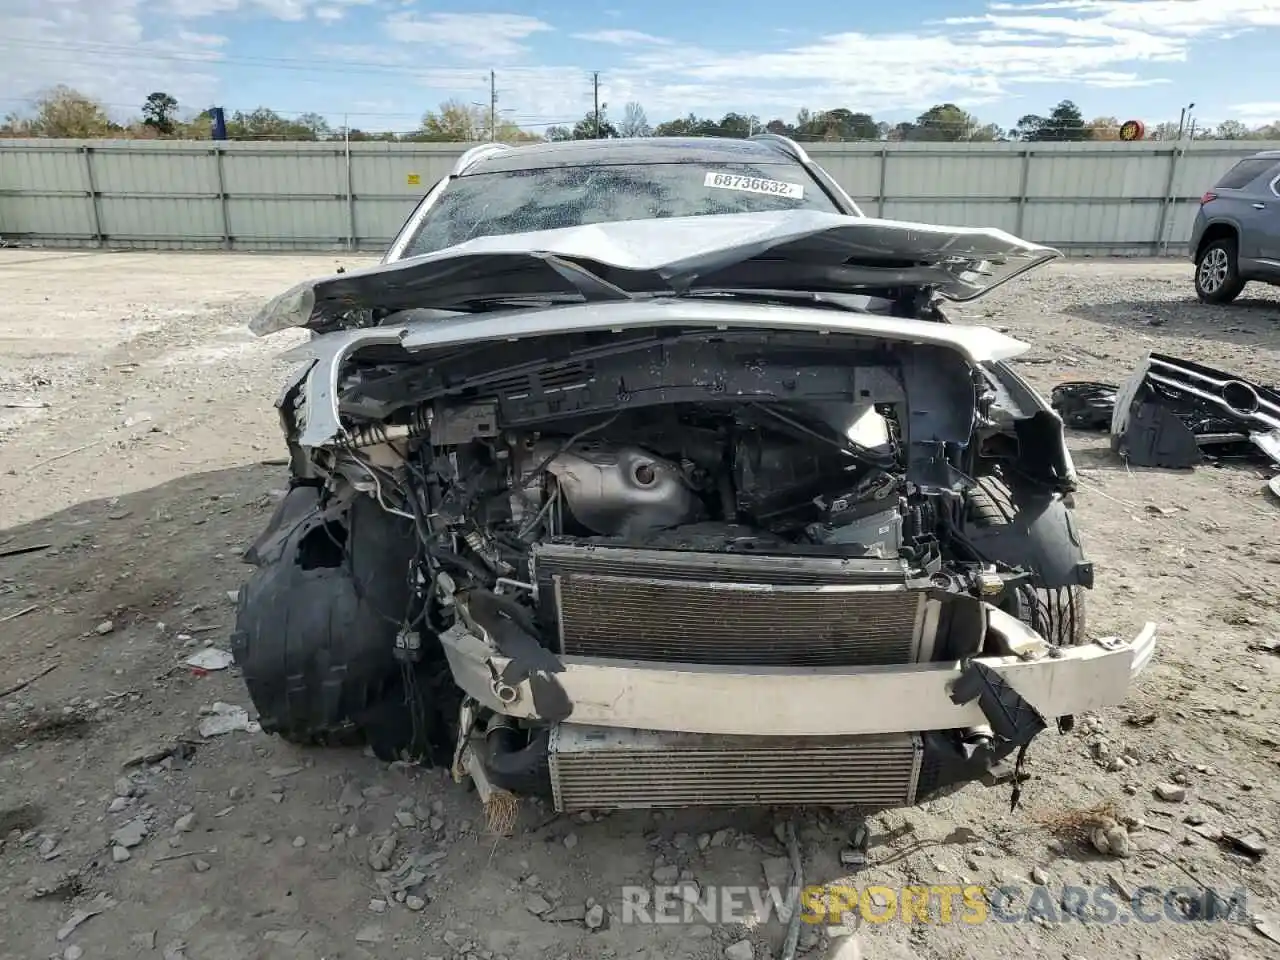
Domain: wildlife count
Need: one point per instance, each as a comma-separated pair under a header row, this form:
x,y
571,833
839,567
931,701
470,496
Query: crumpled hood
x,y
672,256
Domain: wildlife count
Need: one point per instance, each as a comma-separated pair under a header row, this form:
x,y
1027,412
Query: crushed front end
x,y
694,553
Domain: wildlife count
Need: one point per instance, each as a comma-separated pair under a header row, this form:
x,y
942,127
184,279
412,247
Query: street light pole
x,y
595,81
1183,117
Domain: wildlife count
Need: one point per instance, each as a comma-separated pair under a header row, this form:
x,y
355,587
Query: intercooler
x,y
676,606
599,768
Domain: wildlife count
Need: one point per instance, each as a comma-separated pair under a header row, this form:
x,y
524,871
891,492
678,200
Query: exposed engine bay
x,y
645,458
804,506
676,476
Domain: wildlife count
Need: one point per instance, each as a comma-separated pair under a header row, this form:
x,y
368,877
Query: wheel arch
x,y
1036,531
1217,230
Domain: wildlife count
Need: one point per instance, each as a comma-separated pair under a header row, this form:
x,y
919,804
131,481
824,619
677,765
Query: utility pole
x,y
1182,120
493,107
595,82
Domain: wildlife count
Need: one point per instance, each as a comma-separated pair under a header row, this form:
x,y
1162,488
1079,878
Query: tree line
x,y
64,112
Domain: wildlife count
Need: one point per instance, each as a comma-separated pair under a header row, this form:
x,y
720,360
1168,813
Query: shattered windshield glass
x,y
520,201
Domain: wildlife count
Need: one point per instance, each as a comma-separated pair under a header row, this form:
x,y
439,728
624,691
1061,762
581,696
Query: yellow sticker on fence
x,y
414,180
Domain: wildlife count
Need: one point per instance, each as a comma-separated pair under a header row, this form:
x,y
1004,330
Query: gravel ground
x,y
138,440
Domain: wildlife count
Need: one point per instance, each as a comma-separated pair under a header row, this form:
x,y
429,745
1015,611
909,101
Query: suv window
x,y
518,201
1245,172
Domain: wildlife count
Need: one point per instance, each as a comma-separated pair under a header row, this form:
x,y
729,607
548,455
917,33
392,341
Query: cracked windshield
x,y
519,201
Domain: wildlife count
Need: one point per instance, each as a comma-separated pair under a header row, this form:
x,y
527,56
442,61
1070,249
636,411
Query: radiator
x,y
600,768
732,609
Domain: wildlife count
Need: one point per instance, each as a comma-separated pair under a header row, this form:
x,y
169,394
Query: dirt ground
x,y
138,441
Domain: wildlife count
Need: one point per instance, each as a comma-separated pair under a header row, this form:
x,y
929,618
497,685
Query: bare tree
x,y
63,112
634,122
458,122
1232,130
455,122
1104,128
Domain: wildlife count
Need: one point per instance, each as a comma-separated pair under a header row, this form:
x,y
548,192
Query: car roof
x,y
1265,155
580,153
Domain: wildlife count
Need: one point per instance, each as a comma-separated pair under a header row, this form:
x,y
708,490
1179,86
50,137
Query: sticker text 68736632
x,y
773,188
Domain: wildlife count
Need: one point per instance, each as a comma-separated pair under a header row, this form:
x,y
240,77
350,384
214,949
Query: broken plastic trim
x,y
1085,405
1014,722
1170,410
503,625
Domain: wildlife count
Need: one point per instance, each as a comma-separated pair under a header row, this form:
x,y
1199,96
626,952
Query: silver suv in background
x,y
1237,231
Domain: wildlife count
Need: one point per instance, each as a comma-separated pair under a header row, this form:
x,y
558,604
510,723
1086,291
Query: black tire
x,y
314,633
1056,614
1218,271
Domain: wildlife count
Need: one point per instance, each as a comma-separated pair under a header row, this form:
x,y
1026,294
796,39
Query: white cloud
x,y
194,9
207,40
473,36
1186,17
288,10
121,50
104,48
619,38
335,10
1257,112
1107,44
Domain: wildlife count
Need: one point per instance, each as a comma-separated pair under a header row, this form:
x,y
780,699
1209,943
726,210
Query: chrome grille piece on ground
x,y
732,609
599,768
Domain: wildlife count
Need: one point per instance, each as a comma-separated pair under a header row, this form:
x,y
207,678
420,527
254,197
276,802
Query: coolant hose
x,y
513,764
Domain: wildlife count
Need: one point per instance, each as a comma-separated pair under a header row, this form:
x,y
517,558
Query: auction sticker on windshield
x,y
774,188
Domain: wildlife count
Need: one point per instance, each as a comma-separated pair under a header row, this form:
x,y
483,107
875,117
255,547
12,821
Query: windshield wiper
x,y
812,298
509,301
592,286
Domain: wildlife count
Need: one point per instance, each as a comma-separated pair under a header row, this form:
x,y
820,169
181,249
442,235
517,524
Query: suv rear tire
x,y
1218,271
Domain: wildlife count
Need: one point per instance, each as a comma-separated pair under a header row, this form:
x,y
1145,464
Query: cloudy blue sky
x,y
382,62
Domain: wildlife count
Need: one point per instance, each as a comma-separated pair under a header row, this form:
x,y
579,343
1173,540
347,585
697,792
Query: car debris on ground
x,y
223,718
210,659
1176,414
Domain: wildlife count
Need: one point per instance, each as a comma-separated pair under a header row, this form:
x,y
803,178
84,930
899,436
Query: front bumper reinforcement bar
x,y
798,702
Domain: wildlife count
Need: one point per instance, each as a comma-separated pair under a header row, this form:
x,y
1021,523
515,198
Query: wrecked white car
x,y
650,473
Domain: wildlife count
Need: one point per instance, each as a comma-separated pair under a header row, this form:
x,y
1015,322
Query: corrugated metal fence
x,y
1085,198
